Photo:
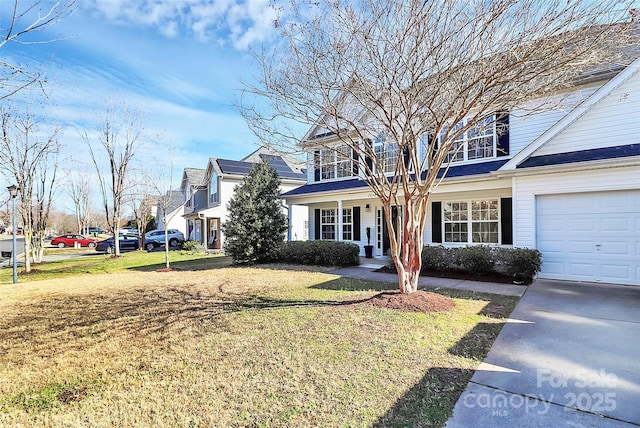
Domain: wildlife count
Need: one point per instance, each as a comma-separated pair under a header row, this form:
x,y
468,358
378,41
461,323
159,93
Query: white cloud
x,y
238,22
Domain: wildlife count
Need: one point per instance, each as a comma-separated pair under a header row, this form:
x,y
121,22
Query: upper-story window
x,y
214,194
336,162
386,153
478,142
188,197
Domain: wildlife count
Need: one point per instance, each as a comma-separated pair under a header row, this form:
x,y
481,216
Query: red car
x,y
70,240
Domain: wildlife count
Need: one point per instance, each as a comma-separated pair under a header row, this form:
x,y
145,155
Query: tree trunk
x,y
27,235
407,251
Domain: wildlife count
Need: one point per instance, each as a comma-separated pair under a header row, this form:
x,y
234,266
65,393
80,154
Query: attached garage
x,y
590,236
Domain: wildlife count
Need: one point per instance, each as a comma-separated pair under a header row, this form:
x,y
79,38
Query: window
x,y
455,222
336,162
484,221
213,189
328,224
474,221
347,224
478,142
386,153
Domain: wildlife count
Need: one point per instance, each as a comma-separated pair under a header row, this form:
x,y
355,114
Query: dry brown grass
x,y
230,347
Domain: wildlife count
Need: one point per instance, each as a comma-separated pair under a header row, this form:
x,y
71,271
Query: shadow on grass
x,y
204,263
429,402
350,284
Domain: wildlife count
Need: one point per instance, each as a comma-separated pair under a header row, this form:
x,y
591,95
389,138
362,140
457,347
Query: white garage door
x,y
590,236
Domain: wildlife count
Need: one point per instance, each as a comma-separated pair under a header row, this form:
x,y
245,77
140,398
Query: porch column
x,y
339,222
289,217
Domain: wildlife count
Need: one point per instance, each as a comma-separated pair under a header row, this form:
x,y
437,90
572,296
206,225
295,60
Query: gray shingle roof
x,y
195,176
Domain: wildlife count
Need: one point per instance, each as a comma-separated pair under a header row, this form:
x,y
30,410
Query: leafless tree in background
x,y
79,190
112,150
29,157
141,201
168,201
19,20
418,74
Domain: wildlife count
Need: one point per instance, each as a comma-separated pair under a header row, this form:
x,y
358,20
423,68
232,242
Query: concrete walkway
x,y
367,270
569,356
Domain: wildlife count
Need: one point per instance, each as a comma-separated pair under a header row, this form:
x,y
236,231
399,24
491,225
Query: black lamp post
x,y
13,191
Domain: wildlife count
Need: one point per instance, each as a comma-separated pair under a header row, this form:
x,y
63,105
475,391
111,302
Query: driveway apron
x,y
568,356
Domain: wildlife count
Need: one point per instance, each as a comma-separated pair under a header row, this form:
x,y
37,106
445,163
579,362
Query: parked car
x,y
155,238
70,241
127,243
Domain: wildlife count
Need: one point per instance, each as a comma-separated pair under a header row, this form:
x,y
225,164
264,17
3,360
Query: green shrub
x,y
476,259
522,264
320,253
439,258
193,247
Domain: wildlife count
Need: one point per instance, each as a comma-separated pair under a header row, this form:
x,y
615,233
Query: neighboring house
x,y
566,182
175,201
208,191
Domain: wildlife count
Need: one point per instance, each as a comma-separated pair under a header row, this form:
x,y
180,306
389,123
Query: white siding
x,y
525,190
310,167
612,121
525,127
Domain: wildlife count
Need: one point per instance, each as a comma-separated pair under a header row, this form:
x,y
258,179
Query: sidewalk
x,y
367,270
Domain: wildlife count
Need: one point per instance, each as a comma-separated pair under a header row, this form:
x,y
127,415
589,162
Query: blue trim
x,y
582,156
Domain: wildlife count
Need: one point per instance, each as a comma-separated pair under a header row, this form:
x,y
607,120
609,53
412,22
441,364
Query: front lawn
x,y
231,347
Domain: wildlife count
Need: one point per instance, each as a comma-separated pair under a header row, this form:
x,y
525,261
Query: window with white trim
x,y
347,224
477,221
328,223
477,142
336,162
386,153
213,189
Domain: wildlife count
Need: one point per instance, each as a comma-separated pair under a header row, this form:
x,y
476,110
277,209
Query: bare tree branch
x,y
24,20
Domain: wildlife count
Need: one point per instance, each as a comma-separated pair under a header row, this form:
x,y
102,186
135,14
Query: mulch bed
x,y
418,301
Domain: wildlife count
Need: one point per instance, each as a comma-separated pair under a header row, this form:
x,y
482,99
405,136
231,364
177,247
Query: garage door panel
x,y
615,224
615,249
615,272
549,246
581,247
590,236
581,270
580,224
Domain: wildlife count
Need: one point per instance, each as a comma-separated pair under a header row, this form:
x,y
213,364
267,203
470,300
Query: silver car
x,y
155,238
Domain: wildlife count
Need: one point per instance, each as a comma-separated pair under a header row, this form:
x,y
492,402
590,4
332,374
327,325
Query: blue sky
x,y
181,62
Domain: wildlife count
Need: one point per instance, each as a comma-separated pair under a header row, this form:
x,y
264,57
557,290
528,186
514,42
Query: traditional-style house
x,y
566,182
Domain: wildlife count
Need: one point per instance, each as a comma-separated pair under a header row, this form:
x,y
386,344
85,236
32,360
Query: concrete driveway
x,y
569,356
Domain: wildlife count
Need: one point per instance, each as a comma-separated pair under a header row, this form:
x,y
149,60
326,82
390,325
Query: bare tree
x,y
19,20
119,137
29,157
141,203
168,201
79,190
416,75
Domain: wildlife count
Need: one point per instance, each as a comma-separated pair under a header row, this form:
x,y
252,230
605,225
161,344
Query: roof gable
x,y
578,112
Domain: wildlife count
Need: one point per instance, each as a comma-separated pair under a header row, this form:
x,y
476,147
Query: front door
x,y
384,242
213,242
